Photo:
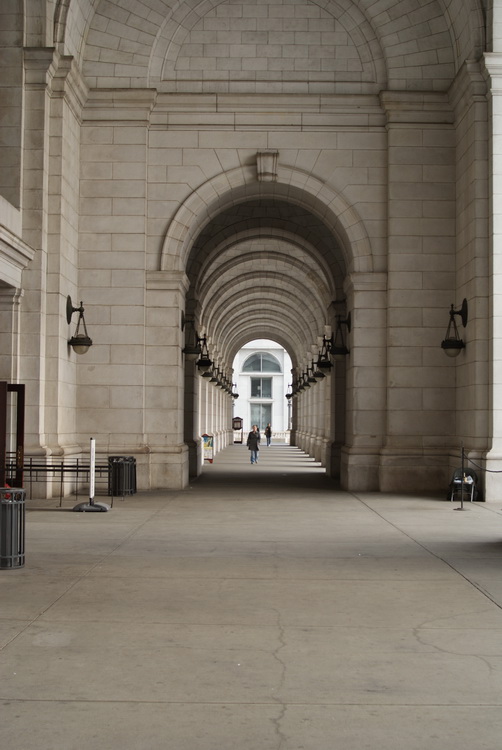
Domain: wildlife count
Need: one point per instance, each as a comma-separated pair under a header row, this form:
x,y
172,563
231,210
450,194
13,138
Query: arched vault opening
x,y
262,268
268,264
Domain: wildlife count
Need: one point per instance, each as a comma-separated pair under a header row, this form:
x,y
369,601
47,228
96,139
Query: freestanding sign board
x,y
237,427
208,448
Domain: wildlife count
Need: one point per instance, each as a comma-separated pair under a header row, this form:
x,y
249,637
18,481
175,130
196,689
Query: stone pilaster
x,y
420,383
493,63
164,379
10,337
366,416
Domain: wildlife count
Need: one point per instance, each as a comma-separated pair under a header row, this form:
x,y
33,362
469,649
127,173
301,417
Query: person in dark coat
x,y
253,443
268,434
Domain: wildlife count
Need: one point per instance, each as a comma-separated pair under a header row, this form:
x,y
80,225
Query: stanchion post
x,y
91,505
462,482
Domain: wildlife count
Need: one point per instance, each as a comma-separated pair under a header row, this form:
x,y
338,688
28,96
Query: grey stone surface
x,y
256,609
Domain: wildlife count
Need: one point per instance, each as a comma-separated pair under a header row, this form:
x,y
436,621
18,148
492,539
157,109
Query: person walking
x,y
268,434
253,442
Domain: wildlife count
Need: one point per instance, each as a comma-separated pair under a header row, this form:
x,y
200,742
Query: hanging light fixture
x,y
317,372
204,363
339,348
192,348
324,360
333,347
452,344
80,341
310,375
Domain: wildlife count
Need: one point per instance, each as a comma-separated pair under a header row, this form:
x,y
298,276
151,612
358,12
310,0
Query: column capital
x,y
15,255
493,68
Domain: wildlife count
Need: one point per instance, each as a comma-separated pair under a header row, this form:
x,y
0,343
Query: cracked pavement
x,y
256,610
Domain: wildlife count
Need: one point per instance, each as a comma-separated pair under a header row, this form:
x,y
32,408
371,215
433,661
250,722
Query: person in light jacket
x,y
253,443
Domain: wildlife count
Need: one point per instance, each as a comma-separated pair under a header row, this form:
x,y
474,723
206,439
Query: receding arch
x,y
239,185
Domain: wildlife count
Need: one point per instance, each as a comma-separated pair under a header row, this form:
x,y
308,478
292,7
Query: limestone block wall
x,y
11,57
112,380
421,279
52,102
141,159
67,94
472,265
125,134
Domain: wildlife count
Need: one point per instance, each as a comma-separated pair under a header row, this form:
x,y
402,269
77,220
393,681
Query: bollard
x,y
12,527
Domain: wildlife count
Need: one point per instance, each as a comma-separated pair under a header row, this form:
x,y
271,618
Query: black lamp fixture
x,y
339,348
333,346
204,363
324,360
317,371
234,393
192,348
80,342
310,375
221,380
452,344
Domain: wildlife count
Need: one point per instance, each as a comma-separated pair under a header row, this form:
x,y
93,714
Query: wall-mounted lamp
x,y
204,363
317,372
192,348
234,394
339,348
80,342
452,343
310,375
333,347
324,360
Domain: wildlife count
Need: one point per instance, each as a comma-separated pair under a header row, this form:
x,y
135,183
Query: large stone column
x,y
366,417
420,382
191,417
493,64
164,380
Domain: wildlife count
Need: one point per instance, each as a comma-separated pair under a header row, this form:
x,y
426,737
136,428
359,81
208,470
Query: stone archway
x,y
241,185
261,258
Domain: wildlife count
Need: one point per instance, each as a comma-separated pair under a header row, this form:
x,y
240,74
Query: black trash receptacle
x,y
12,525
121,475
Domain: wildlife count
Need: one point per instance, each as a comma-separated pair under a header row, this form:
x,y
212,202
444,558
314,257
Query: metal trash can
x,y
121,475
12,527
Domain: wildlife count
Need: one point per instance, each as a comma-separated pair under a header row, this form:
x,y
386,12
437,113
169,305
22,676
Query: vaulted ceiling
x,y
263,264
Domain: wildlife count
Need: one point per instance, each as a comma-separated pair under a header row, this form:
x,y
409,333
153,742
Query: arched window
x,y
261,362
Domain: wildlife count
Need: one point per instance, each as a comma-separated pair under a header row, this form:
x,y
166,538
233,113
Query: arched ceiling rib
x,y
267,222
268,265
265,264
268,311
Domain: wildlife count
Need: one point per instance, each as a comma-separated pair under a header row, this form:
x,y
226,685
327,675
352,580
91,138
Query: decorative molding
x,y
15,255
266,165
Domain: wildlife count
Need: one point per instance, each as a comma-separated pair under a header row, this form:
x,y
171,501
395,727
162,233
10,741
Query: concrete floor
x,y
260,609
